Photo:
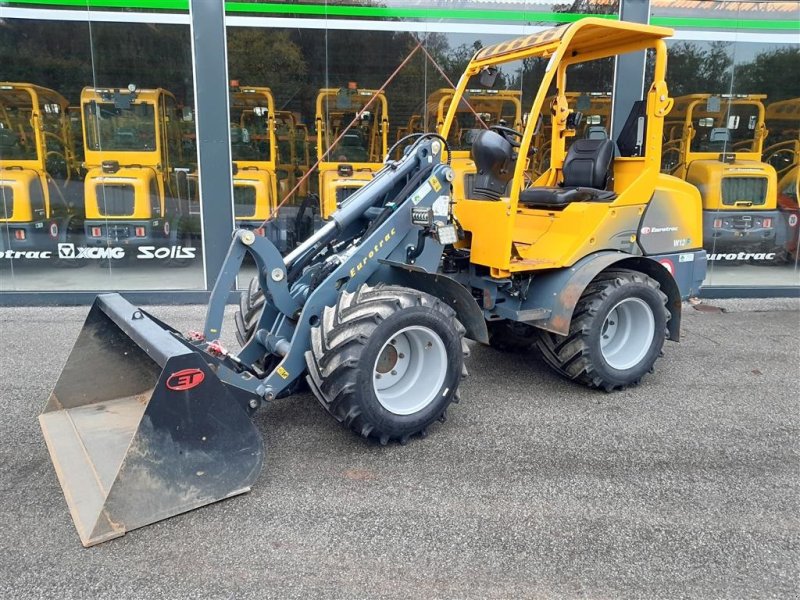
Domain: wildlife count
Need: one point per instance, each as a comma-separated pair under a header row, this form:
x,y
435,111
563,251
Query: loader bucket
x,y
140,428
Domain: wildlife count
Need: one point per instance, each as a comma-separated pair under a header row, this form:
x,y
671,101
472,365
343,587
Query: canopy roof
x,y
784,110
587,35
251,97
19,95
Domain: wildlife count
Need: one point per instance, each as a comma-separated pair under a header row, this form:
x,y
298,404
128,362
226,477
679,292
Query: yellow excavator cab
x,y
39,169
346,164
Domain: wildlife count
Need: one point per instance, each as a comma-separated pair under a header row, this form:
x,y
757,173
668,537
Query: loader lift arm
x,y
177,408
296,306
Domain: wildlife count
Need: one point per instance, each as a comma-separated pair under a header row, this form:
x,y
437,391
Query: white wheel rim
x,y
627,333
410,370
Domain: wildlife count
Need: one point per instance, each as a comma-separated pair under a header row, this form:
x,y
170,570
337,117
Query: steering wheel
x,y
508,134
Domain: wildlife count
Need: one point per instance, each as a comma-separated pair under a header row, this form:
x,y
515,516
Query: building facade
x,y
134,139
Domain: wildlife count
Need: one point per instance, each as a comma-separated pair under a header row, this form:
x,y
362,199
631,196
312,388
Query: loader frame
x,y
283,328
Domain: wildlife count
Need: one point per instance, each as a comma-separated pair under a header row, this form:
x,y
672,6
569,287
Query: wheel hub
x,y
627,333
387,360
410,370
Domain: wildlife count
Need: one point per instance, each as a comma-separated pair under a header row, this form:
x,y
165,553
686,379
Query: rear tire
x,y
617,332
387,361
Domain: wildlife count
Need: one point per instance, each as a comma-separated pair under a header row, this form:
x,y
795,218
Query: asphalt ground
x,y
684,487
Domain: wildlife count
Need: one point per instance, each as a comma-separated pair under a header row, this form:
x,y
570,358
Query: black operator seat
x,y
587,172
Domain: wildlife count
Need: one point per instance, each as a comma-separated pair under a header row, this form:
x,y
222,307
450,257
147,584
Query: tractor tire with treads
x,y
251,303
386,361
617,332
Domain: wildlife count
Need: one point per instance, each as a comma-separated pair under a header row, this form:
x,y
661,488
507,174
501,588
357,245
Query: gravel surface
x,y
686,486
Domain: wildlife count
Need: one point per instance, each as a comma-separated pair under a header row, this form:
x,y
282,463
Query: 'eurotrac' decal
x,y
372,252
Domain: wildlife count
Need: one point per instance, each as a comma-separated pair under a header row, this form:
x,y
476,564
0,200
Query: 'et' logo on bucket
x,y
185,379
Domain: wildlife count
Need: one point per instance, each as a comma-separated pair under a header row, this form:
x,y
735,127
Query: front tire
x,y
387,361
251,305
617,332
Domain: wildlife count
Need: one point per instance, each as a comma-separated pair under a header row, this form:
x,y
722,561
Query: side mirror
x,y
574,119
488,76
713,104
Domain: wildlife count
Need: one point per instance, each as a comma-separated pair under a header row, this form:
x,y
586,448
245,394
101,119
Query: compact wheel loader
x,y
591,260
715,143
39,174
136,191
346,164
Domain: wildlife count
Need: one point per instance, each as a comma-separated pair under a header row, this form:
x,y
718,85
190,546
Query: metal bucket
x,y
140,428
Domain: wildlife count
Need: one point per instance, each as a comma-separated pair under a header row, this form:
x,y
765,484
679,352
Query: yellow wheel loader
x,y
136,193
40,175
783,153
263,163
591,260
718,150
254,155
346,164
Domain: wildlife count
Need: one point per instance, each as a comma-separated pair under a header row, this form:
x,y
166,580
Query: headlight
x,y
422,216
446,234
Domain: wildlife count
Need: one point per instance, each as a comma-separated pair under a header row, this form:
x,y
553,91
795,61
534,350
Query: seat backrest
x,y
720,135
596,132
588,163
719,139
631,139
